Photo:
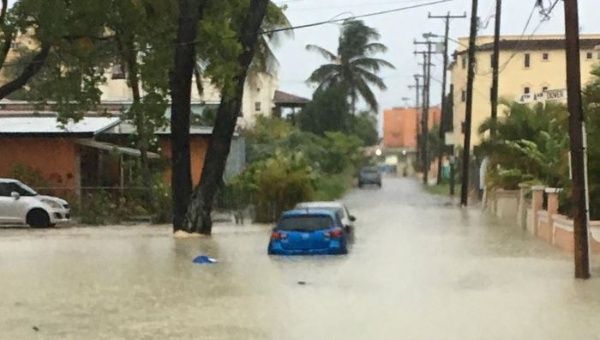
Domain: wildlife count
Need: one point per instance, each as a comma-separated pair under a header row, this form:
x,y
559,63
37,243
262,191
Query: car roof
x,y
320,204
308,212
8,180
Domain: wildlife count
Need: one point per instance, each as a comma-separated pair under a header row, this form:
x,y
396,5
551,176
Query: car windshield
x,y
305,223
369,171
24,190
337,210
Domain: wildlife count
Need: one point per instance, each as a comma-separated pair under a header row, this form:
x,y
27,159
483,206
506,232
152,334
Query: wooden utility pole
x,y
464,194
496,67
443,103
417,88
578,144
426,98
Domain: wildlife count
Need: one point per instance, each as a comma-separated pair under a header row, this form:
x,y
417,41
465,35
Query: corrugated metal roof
x,y
115,148
50,125
126,128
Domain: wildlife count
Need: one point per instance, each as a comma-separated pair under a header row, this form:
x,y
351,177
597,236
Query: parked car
x,y
337,207
19,204
309,232
369,175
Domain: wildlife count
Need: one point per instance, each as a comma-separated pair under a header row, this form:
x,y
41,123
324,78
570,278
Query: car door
x,y
6,204
20,206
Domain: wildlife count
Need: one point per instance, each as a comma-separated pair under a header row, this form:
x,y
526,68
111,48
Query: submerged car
x,y
19,204
369,175
309,232
337,207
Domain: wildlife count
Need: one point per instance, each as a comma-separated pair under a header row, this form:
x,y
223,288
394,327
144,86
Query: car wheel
x,y
38,218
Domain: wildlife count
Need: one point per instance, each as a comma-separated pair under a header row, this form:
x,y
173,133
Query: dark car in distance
x,y
369,175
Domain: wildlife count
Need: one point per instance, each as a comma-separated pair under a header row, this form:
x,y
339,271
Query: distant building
x,y
531,70
400,126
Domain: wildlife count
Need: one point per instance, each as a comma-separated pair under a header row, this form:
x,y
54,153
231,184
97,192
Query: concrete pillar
x,y
537,201
522,210
553,200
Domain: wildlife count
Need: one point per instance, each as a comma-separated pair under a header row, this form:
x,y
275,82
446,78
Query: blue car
x,y
309,232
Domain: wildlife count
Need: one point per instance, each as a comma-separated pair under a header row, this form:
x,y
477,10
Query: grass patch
x,y
441,189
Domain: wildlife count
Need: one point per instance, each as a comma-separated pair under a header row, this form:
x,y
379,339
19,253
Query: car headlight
x,y
52,204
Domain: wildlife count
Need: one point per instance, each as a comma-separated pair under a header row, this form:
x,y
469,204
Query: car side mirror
x,y
15,195
352,218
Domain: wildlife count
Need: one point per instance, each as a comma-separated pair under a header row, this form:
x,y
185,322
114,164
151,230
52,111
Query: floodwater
x,y
420,268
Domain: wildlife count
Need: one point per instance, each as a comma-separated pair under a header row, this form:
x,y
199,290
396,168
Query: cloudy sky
x,y
398,31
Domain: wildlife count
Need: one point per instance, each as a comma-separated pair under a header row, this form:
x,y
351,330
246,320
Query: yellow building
x,y
531,70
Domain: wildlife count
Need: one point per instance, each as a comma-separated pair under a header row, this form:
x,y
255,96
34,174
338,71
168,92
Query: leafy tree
x,y
328,111
247,30
354,67
364,126
63,50
142,30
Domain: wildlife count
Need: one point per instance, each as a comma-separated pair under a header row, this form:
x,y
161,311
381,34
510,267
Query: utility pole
x,y
578,142
464,194
496,67
443,103
426,97
417,88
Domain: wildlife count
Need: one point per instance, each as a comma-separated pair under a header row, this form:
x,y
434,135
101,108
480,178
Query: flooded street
x,y
419,269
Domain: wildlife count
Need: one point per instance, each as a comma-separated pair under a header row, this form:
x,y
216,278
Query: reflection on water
x,y
419,269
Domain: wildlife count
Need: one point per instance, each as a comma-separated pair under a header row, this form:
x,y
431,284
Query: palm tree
x,y
353,67
531,143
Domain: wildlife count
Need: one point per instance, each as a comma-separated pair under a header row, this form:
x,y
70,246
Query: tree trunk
x,y
130,55
198,215
190,12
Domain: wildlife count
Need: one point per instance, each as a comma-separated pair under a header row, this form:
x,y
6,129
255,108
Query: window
x,y
545,88
4,190
118,72
463,96
589,55
527,60
526,90
545,56
257,106
464,62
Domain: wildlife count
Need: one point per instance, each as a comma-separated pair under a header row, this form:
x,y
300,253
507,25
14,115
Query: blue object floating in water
x,y
203,259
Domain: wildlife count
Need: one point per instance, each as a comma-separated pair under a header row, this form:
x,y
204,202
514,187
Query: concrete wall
x,y
545,223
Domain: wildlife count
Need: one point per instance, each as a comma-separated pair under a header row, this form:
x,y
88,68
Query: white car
x,y
19,204
338,207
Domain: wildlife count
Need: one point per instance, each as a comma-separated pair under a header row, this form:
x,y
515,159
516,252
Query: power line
x,y
354,17
364,4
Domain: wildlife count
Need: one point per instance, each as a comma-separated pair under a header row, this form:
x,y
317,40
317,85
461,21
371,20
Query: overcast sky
x,y
398,31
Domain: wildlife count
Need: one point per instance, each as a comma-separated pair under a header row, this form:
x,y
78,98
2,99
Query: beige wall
x,y
258,89
514,77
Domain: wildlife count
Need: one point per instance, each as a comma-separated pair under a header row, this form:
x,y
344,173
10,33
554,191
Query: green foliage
x,y
288,165
531,144
364,126
353,68
328,111
592,112
28,175
277,184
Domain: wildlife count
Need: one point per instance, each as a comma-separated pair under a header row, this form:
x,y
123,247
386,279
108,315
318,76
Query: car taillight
x,y
277,235
335,233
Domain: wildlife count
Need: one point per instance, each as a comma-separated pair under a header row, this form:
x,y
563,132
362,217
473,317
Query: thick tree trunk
x,y
190,12
198,215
